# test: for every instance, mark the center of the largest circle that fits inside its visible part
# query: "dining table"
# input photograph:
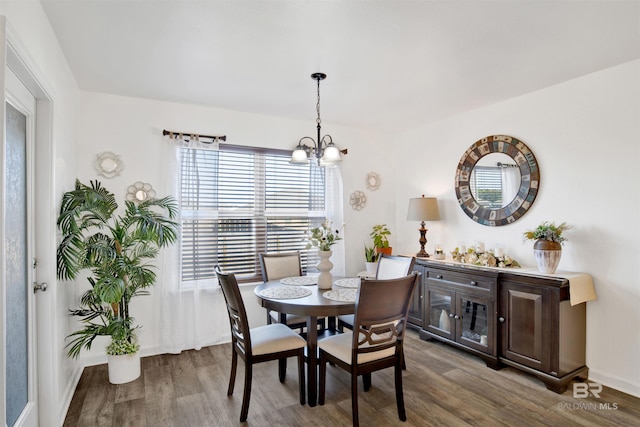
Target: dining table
(301, 296)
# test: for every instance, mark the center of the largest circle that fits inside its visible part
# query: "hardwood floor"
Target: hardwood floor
(443, 386)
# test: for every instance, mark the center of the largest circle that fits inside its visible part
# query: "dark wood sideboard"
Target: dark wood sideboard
(507, 318)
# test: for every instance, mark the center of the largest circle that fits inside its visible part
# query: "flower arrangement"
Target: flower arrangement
(323, 237)
(548, 231)
(484, 259)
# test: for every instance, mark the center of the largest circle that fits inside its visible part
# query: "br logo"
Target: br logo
(582, 390)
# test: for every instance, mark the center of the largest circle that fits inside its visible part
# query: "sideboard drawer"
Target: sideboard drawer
(474, 281)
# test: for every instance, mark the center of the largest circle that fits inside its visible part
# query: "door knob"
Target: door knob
(39, 287)
(501, 319)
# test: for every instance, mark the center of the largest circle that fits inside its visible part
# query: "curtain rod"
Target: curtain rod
(196, 136)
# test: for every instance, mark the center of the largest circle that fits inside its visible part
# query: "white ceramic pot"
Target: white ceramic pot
(124, 368)
(547, 255)
(325, 280)
(372, 267)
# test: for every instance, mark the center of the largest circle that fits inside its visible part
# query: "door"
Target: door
(474, 321)
(19, 249)
(524, 325)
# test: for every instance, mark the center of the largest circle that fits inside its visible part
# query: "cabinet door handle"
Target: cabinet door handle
(501, 319)
(451, 315)
(439, 276)
(474, 283)
(457, 317)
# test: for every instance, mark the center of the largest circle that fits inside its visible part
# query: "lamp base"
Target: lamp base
(423, 241)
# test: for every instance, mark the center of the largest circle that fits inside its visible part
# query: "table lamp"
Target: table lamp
(423, 209)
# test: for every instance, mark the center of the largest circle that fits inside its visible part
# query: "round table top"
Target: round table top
(314, 304)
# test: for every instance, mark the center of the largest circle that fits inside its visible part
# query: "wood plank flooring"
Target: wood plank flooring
(443, 386)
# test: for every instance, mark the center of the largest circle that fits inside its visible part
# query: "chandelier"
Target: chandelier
(323, 150)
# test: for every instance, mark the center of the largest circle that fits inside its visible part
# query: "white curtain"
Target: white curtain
(510, 184)
(335, 214)
(194, 316)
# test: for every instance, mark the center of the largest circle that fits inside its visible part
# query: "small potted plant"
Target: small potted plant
(548, 245)
(371, 260)
(379, 234)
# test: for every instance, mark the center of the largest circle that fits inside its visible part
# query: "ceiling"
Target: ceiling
(391, 64)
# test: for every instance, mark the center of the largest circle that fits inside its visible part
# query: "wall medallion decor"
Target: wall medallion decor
(108, 164)
(495, 205)
(140, 191)
(373, 181)
(358, 200)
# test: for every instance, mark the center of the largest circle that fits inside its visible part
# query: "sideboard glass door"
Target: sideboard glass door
(473, 327)
(440, 312)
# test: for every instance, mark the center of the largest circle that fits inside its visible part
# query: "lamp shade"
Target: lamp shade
(423, 209)
(299, 156)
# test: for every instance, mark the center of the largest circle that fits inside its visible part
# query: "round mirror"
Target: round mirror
(141, 195)
(108, 164)
(497, 180)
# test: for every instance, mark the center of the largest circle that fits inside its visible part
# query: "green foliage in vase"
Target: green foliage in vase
(548, 231)
(117, 251)
(370, 254)
(379, 234)
(122, 347)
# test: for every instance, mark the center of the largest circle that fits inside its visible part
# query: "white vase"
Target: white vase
(325, 280)
(445, 323)
(372, 267)
(547, 255)
(124, 368)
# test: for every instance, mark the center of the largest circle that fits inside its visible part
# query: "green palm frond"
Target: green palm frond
(116, 249)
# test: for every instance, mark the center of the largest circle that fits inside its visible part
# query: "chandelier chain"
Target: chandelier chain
(318, 121)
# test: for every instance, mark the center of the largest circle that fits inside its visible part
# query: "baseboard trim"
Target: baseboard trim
(614, 382)
(69, 391)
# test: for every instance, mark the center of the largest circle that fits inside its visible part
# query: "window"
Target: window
(486, 186)
(239, 201)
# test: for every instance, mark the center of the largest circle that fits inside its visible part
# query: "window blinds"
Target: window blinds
(238, 203)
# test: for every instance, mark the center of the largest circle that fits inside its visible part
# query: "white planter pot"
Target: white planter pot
(372, 268)
(124, 368)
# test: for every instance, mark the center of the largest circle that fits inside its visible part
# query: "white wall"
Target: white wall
(132, 128)
(37, 45)
(585, 135)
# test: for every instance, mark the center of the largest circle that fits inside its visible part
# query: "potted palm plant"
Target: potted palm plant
(117, 251)
(380, 235)
(548, 245)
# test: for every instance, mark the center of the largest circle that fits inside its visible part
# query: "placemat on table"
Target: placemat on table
(299, 280)
(348, 282)
(285, 292)
(343, 295)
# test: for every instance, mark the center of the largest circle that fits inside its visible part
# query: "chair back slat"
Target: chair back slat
(236, 310)
(381, 314)
(276, 265)
(393, 267)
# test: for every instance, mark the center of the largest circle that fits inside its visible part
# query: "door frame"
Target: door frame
(15, 56)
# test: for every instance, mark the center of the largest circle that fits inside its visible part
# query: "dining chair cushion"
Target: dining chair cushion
(274, 338)
(341, 345)
(292, 319)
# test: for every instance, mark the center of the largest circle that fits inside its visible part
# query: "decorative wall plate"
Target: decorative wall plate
(358, 200)
(140, 191)
(108, 164)
(373, 181)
